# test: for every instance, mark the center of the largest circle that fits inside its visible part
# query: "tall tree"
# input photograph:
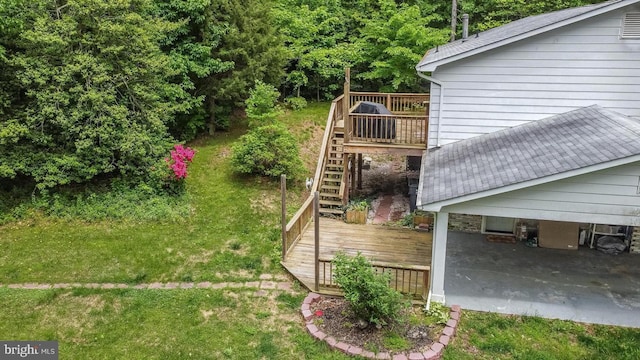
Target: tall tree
(394, 41)
(254, 46)
(191, 47)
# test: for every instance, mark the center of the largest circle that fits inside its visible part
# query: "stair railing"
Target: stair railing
(302, 218)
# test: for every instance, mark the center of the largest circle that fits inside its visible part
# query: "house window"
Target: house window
(631, 26)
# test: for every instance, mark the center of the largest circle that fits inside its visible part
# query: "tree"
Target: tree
(191, 48)
(95, 92)
(252, 43)
(395, 42)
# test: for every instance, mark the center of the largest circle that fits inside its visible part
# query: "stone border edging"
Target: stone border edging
(434, 353)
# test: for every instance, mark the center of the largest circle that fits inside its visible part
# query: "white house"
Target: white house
(537, 119)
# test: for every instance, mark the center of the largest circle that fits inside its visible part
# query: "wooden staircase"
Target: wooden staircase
(332, 177)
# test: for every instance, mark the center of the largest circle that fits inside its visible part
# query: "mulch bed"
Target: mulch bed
(333, 317)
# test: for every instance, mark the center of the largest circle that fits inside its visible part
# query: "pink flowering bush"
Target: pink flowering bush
(180, 156)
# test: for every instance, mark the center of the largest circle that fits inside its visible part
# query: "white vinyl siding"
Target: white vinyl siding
(578, 65)
(607, 196)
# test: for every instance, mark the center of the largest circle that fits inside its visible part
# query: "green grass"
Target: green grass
(161, 324)
(495, 336)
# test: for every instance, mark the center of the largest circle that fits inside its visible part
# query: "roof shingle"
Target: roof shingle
(580, 138)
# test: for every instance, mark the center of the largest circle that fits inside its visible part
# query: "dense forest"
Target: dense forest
(96, 89)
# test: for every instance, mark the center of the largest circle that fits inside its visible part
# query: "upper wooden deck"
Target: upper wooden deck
(405, 131)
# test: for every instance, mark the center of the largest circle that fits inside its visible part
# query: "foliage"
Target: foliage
(268, 150)
(253, 44)
(395, 41)
(358, 205)
(487, 14)
(96, 93)
(395, 342)
(438, 312)
(191, 49)
(367, 292)
(296, 102)
(261, 106)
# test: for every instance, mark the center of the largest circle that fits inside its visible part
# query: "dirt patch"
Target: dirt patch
(405, 336)
(266, 201)
(386, 175)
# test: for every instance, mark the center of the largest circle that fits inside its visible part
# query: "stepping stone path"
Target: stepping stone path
(266, 283)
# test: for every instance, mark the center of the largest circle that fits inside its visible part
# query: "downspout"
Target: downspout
(440, 102)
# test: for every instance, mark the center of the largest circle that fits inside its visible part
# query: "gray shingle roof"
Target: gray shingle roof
(510, 30)
(570, 141)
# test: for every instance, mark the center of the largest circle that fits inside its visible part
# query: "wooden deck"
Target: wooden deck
(407, 251)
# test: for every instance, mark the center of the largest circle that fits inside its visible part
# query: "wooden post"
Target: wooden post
(316, 234)
(346, 104)
(345, 178)
(353, 174)
(283, 191)
(359, 171)
(389, 102)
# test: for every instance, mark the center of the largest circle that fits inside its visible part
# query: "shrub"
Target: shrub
(268, 150)
(296, 102)
(261, 105)
(438, 312)
(367, 292)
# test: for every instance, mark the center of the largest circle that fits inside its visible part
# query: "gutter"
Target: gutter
(441, 101)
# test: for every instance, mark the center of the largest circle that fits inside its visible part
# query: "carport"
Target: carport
(582, 166)
(584, 285)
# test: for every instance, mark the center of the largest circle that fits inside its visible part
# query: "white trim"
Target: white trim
(483, 226)
(436, 298)
(437, 206)
(614, 6)
(422, 175)
(440, 106)
(439, 256)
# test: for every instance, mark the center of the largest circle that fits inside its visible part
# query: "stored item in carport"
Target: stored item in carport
(611, 245)
(558, 235)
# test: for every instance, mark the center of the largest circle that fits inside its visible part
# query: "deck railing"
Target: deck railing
(397, 103)
(390, 129)
(407, 126)
(412, 280)
(299, 222)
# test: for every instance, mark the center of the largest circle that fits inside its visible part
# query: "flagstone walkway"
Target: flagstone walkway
(265, 282)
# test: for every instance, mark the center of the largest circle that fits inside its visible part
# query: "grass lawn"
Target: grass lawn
(231, 234)
(161, 324)
(495, 336)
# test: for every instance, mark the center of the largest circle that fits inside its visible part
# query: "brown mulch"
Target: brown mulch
(338, 322)
(501, 239)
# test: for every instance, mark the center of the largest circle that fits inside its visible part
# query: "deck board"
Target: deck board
(377, 242)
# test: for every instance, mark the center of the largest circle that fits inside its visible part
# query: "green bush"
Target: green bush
(268, 150)
(296, 102)
(367, 292)
(261, 105)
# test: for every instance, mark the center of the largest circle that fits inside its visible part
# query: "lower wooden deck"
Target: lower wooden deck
(382, 244)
